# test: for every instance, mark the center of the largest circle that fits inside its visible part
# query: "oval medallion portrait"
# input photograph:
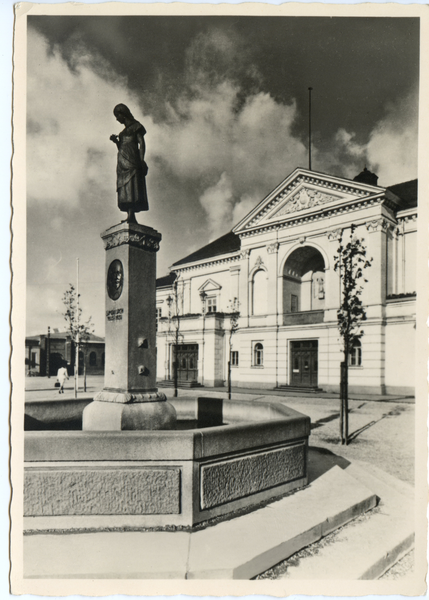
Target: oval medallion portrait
(115, 279)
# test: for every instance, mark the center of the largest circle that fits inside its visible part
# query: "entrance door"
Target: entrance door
(304, 363)
(187, 362)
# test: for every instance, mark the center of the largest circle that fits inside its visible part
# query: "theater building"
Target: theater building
(277, 267)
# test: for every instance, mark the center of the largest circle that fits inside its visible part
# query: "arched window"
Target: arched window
(259, 293)
(258, 355)
(92, 359)
(355, 356)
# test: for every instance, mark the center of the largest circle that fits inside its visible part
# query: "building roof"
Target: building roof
(62, 335)
(230, 242)
(407, 192)
(167, 280)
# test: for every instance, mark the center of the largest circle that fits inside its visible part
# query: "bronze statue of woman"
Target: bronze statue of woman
(131, 168)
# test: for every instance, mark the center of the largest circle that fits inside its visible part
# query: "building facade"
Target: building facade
(276, 267)
(45, 354)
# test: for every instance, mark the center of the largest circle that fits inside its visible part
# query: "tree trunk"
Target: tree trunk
(344, 406)
(346, 400)
(229, 377)
(175, 365)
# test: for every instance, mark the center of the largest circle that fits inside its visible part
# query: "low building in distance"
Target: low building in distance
(44, 354)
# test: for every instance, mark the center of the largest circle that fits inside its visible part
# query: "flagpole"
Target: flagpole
(76, 358)
(309, 128)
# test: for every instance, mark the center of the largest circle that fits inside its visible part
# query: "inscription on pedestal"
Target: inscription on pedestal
(115, 314)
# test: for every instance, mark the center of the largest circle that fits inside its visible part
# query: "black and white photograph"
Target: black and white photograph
(219, 299)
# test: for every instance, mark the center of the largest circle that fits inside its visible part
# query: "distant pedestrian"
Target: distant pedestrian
(62, 377)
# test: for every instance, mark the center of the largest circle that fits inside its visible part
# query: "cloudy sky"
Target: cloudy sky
(224, 101)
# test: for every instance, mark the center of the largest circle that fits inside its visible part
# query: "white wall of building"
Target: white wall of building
(270, 267)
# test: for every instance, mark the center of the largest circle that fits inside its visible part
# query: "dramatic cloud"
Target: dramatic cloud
(68, 153)
(217, 144)
(214, 132)
(392, 147)
(391, 150)
(230, 135)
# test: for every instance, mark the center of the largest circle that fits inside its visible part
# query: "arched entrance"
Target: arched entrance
(304, 304)
(304, 281)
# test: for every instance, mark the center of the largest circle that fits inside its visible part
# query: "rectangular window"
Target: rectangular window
(356, 357)
(211, 305)
(158, 316)
(234, 358)
(293, 303)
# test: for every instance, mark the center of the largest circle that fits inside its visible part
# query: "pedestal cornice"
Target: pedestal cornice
(132, 234)
(124, 397)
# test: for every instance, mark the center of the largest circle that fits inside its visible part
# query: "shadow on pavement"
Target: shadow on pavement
(320, 422)
(321, 460)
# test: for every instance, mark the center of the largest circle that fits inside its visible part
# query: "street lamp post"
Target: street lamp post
(170, 301)
(48, 353)
(203, 297)
(233, 328)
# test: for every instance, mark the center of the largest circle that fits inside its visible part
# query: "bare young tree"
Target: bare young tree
(350, 262)
(233, 327)
(174, 317)
(79, 330)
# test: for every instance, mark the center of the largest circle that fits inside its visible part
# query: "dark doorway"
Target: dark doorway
(56, 361)
(304, 363)
(187, 362)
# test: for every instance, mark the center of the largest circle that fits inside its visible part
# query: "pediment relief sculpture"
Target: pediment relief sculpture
(305, 198)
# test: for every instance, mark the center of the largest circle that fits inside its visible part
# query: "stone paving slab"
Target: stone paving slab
(107, 555)
(367, 549)
(236, 549)
(245, 547)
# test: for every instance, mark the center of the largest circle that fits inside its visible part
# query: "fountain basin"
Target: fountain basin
(234, 455)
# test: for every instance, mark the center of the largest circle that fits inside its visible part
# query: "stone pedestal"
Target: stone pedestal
(130, 399)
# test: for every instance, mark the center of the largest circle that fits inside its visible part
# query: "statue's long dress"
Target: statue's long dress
(131, 178)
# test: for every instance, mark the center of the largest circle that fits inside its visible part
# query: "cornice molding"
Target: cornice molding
(206, 264)
(142, 240)
(328, 212)
(407, 218)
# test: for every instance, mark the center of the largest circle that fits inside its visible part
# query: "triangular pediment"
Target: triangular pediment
(305, 192)
(209, 286)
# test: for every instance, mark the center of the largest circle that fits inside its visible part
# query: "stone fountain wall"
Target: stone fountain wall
(158, 478)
